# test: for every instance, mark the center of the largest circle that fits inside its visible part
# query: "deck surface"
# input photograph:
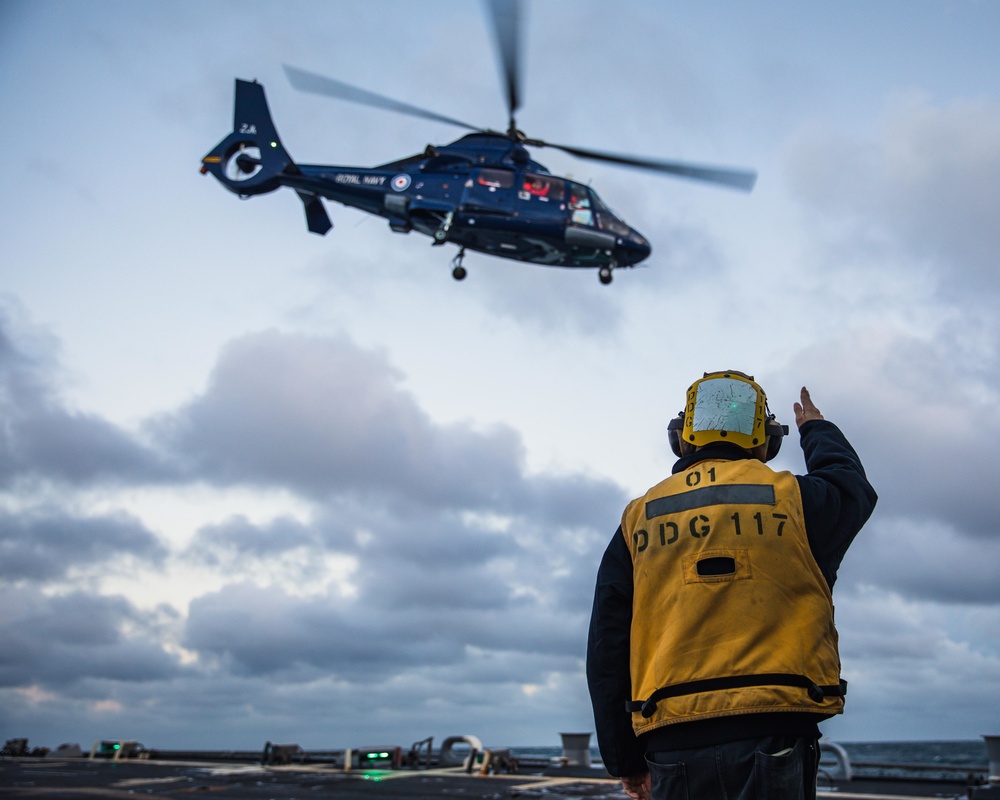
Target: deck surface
(70, 779)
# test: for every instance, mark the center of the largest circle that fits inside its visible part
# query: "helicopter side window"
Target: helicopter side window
(579, 205)
(494, 179)
(542, 187)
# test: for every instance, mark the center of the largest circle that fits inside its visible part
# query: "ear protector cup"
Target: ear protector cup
(674, 428)
(775, 433)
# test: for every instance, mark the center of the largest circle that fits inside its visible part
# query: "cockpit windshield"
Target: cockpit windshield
(586, 208)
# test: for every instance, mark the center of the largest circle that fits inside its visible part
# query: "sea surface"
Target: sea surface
(932, 760)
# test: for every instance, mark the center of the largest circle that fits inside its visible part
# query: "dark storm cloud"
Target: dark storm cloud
(937, 562)
(254, 630)
(41, 439)
(257, 630)
(46, 544)
(430, 577)
(62, 640)
(884, 635)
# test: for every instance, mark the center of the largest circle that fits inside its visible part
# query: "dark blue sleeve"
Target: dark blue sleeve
(608, 675)
(837, 498)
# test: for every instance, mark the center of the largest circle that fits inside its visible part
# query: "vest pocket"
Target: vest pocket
(716, 566)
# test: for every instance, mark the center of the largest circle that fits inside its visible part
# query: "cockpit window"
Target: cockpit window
(606, 218)
(579, 204)
(596, 201)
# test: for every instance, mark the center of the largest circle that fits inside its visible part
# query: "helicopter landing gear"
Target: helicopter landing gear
(604, 274)
(441, 234)
(458, 272)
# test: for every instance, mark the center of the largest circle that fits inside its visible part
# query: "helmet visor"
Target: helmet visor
(725, 404)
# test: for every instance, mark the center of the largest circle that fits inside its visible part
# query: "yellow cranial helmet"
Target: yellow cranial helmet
(726, 407)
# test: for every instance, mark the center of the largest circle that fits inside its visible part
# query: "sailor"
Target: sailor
(712, 652)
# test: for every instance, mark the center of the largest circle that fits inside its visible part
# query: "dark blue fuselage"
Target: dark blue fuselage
(482, 192)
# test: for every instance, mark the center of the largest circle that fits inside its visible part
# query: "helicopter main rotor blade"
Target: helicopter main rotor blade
(506, 17)
(734, 178)
(328, 87)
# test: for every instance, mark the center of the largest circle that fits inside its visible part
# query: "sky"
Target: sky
(257, 484)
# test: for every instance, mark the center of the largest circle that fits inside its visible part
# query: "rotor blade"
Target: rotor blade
(328, 87)
(735, 178)
(506, 17)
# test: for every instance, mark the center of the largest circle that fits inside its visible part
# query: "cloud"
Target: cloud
(422, 586)
(237, 537)
(943, 650)
(918, 413)
(39, 437)
(941, 564)
(917, 410)
(925, 191)
(61, 641)
(48, 544)
(322, 415)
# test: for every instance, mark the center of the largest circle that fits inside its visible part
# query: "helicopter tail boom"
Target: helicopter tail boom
(252, 160)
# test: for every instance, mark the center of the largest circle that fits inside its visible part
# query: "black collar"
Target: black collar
(716, 451)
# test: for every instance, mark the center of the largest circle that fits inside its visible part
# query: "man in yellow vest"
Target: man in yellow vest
(712, 653)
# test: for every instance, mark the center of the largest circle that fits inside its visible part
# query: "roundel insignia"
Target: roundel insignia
(401, 182)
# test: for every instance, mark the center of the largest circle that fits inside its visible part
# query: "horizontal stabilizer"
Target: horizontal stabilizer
(317, 219)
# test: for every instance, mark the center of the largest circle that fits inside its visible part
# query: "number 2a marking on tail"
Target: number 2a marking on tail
(248, 127)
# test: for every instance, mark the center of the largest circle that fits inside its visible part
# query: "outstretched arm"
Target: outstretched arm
(837, 498)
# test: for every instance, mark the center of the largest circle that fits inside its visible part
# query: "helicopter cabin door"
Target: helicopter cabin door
(489, 191)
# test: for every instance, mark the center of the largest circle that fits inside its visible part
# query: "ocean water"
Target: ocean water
(952, 758)
(931, 760)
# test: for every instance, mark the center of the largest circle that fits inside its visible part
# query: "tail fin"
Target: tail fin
(251, 159)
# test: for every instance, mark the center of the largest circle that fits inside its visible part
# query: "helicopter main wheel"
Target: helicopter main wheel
(458, 272)
(604, 274)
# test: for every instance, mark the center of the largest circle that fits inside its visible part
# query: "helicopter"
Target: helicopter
(482, 192)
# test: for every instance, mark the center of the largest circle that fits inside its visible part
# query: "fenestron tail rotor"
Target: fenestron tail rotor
(243, 163)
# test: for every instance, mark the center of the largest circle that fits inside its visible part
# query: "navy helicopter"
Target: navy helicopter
(482, 192)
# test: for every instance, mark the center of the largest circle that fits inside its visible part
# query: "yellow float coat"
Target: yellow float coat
(726, 587)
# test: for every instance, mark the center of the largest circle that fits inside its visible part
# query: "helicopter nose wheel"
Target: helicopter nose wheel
(604, 274)
(458, 272)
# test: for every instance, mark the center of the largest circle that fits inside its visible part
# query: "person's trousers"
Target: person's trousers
(770, 768)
